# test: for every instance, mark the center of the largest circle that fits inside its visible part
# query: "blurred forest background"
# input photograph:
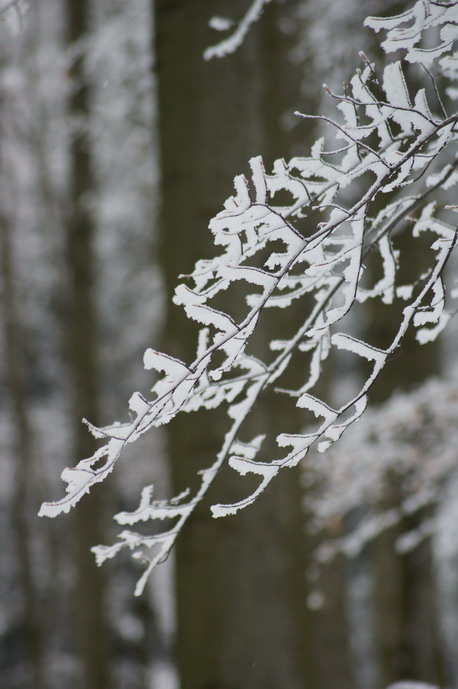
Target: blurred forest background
(118, 143)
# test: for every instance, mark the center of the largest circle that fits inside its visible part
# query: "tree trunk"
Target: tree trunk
(16, 379)
(240, 592)
(82, 358)
(405, 594)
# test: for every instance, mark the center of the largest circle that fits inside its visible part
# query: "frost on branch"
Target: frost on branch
(343, 202)
(235, 39)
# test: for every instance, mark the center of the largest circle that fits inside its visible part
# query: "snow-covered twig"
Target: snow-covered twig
(351, 201)
(230, 44)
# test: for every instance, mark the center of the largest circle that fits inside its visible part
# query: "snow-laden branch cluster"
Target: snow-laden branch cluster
(409, 442)
(407, 32)
(394, 153)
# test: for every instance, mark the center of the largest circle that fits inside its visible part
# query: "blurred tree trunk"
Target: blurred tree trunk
(405, 592)
(327, 600)
(240, 581)
(16, 380)
(82, 358)
(241, 588)
(406, 610)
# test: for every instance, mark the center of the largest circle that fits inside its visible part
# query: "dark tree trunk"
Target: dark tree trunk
(16, 380)
(240, 581)
(405, 593)
(82, 358)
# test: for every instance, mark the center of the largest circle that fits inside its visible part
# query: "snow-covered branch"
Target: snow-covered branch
(343, 204)
(230, 44)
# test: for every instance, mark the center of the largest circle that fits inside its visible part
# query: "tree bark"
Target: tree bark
(240, 593)
(405, 594)
(82, 359)
(16, 380)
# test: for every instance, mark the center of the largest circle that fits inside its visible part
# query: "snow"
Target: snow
(319, 268)
(230, 44)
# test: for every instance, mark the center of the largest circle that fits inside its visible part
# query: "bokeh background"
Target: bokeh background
(118, 143)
